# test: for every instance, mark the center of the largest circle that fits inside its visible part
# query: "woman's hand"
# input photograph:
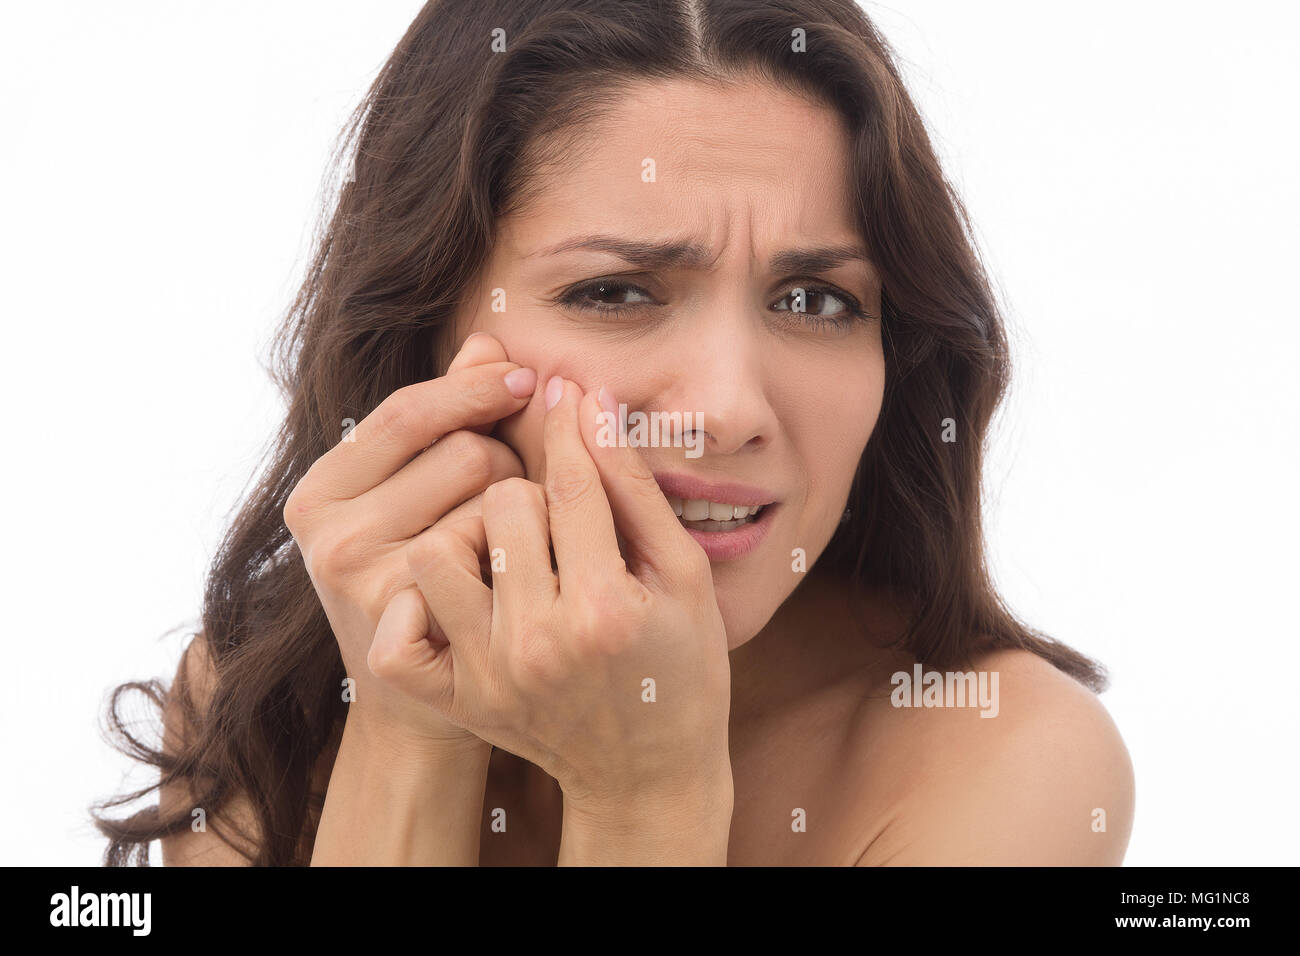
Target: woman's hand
(610, 674)
(359, 506)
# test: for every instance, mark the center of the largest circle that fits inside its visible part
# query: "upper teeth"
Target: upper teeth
(694, 509)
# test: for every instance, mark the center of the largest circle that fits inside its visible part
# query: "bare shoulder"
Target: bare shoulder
(1033, 772)
(202, 846)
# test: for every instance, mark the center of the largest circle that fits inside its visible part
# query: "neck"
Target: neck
(824, 633)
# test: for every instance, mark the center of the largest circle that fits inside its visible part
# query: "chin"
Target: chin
(744, 615)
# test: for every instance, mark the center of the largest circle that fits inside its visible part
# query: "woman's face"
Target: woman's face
(693, 204)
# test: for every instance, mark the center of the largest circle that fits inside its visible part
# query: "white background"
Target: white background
(1130, 169)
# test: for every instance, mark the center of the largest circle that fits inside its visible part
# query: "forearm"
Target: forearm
(679, 829)
(389, 805)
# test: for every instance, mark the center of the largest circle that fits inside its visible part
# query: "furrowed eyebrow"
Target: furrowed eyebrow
(689, 255)
(820, 259)
(647, 255)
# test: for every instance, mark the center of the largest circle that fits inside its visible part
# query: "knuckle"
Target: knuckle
(611, 642)
(531, 667)
(398, 414)
(590, 621)
(381, 662)
(471, 453)
(642, 483)
(510, 493)
(381, 594)
(299, 503)
(606, 620)
(293, 507)
(428, 551)
(567, 484)
(386, 663)
(332, 556)
(480, 395)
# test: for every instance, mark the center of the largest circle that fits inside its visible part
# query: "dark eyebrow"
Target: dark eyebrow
(690, 255)
(647, 255)
(820, 259)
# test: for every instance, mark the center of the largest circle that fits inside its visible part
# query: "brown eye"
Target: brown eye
(593, 297)
(814, 303)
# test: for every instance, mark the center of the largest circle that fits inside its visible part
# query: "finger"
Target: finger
(656, 546)
(582, 528)
(455, 469)
(519, 542)
(412, 418)
(402, 656)
(479, 348)
(446, 562)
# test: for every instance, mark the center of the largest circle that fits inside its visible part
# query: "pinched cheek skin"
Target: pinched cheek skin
(522, 432)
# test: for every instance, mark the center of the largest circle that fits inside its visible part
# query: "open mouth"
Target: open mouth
(711, 516)
(728, 519)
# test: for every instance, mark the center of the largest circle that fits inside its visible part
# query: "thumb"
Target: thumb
(479, 348)
(407, 656)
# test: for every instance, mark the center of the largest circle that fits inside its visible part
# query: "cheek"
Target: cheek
(526, 344)
(523, 432)
(534, 343)
(836, 434)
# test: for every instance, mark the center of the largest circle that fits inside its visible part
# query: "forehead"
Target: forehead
(677, 156)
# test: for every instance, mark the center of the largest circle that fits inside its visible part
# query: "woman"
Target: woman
(465, 618)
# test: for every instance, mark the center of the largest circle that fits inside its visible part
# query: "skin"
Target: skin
(720, 340)
(761, 717)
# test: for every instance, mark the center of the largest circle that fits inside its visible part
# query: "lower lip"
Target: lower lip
(726, 545)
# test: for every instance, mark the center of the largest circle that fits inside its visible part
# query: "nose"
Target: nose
(718, 373)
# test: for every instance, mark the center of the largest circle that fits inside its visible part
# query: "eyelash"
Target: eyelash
(575, 297)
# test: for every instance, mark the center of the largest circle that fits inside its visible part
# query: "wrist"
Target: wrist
(400, 799)
(388, 740)
(687, 825)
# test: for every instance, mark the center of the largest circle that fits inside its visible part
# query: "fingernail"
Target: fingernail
(554, 389)
(606, 400)
(521, 382)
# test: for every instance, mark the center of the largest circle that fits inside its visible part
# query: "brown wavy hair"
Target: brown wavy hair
(442, 145)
